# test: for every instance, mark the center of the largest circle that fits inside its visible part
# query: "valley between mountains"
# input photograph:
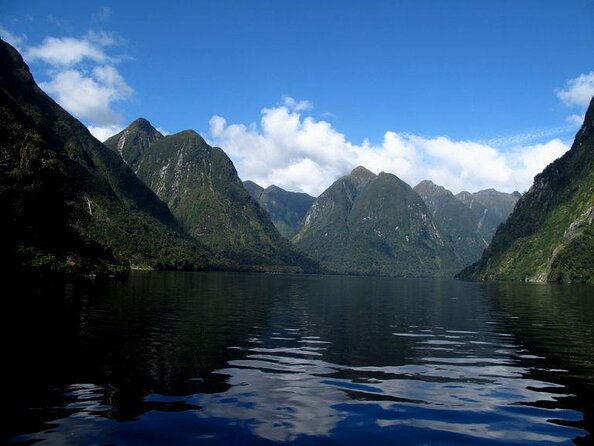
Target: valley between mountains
(74, 205)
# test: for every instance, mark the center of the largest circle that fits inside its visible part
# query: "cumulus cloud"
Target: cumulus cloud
(301, 105)
(82, 77)
(89, 96)
(66, 51)
(104, 133)
(298, 152)
(578, 91)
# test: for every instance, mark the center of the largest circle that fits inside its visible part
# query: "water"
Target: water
(215, 358)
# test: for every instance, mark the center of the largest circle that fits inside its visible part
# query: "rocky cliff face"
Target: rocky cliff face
(549, 236)
(375, 224)
(133, 141)
(456, 219)
(490, 208)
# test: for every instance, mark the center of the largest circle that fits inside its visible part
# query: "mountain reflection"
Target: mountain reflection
(251, 358)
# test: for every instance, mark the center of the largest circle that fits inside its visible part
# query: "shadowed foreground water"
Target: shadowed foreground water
(215, 358)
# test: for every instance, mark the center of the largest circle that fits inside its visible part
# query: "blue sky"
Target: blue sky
(490, 73)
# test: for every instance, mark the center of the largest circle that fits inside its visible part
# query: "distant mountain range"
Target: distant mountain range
(375, 224)
(490, 207)
(286, 209)
(470, 220)
(549, 237)
(73, 205)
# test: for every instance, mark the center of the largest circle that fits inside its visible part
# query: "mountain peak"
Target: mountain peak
(190, 134)
(131, 142)
(200, 185)
(368, 224)
(360, 176)
(361, 171)
(142, 124)
(274, 188)
(252, 183)
(254, 189)
(428, 188)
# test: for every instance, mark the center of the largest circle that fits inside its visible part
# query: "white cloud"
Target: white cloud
(15, 40)
(534, 135)
(298, 106)
(66, 51)
(103, 38)
(83, 78)
(300, 153)
(578, 91)
(103, 133)
(89, 96)
(575, 120)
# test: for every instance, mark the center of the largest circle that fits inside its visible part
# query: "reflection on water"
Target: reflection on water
(186, 358)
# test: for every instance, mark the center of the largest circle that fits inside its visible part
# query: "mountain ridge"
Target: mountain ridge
(375, 225)
(549, 237)
(455, 219)
(200, 185)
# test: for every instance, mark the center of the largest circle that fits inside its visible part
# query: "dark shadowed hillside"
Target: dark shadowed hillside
(68, 203)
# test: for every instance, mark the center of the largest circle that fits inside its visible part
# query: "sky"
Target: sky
(471, 94)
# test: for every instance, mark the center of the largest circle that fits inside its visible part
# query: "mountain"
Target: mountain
(549, 237)
(490, 207)
(375, 224)
(455, 218)
(68, 203)
(286, 209)
(500, 203)
(487, 221)
(255, 190)
(134, 140)
(201, 187)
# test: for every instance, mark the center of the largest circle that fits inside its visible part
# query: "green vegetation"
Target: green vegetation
(201, 187)
(69, 205)
(549, 235)
(35, 232)
(375, 225)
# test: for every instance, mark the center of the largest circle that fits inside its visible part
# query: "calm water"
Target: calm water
(225, 359)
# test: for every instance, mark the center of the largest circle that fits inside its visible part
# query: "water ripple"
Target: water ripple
(257, 359)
